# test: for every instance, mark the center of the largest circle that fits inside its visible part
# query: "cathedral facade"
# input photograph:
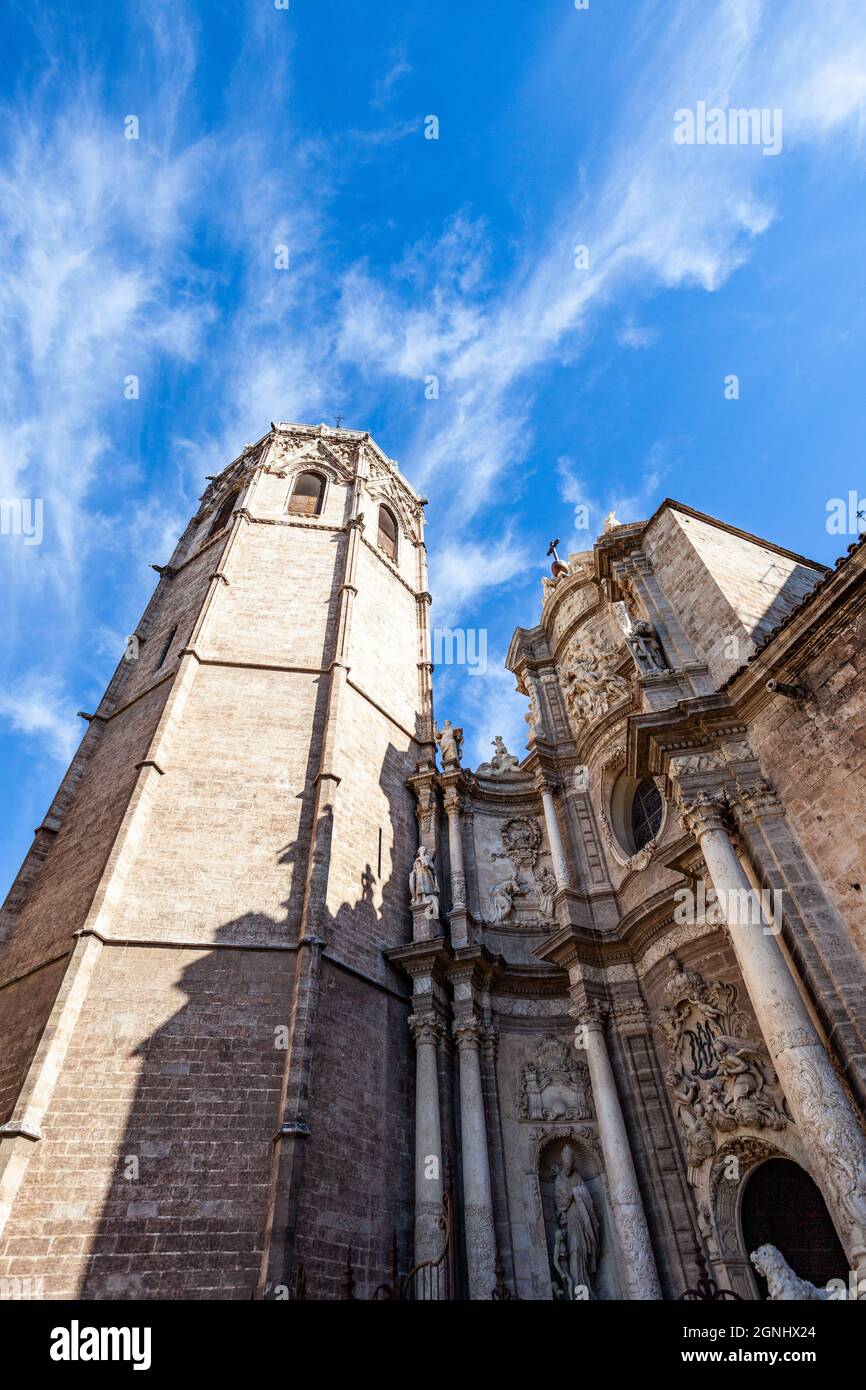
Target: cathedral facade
(295, 1004)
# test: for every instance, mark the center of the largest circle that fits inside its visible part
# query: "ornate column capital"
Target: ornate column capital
(467, 1032)
(701, 812)
(590, 1017)
(425, 1028)
(755, 799)
(451, 800)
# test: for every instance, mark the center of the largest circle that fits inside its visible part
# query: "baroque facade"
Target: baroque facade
(296, 1004)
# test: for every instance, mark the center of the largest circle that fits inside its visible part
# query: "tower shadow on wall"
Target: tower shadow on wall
(185, 1206)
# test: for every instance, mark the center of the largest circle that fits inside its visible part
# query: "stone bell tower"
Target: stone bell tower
(203, 1089)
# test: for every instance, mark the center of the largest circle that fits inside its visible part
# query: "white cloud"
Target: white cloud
(38, 707)
(634, 335)
(465, 571)
(660, 216)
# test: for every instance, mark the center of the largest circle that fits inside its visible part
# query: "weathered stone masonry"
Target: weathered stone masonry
(245, 1054)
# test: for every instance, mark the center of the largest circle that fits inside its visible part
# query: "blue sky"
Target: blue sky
(409, 257)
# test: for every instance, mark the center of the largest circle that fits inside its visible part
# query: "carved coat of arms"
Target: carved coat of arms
(554, 1085)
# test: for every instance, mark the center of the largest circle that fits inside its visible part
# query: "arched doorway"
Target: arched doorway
(783, 1207)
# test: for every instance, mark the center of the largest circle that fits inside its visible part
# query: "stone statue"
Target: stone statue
(546, 889)
(502, 760)
(783, 1284)
(610, 522)
(423, 886)
(744, 1083)
(576, 1216)
(502, 897)
(691, 1112)
(450, 742)
(565, 1287)
(642, 641)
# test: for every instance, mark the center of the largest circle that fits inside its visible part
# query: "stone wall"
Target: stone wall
(723, 586)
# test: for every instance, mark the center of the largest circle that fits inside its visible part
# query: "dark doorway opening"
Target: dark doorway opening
(783, 1207)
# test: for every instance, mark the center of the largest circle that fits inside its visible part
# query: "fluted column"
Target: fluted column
(627, 1211)
(477, 1191)
(825, 1119)
(426, 1031)
(554, 838)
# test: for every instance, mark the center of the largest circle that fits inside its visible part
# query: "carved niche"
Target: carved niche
(554, 1085)
(721, 1079)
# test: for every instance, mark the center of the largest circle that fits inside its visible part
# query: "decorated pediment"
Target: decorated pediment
(320, 454)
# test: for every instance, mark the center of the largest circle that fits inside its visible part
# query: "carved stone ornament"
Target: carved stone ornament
(685, 764)
(521, 839)
(720, 1078)
(502, 760)
(642, 641)
(636, 862)
(554, 1086)
(536, 887)
(590, 684)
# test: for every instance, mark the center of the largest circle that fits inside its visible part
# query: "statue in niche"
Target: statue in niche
(423, 886)
(546, 884)
(577, 1220)
(450, 743)
(642, 641)
(502, 760)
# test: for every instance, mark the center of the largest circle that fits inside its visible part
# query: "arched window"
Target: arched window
(387, 536)
(307, 495)
(223, 516)
(646, 813)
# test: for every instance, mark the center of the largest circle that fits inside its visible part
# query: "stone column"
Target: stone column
(429, 1185)
(477, 1192)
(629, 1219)
(825, 1119)
(455, 848)
(557, 849)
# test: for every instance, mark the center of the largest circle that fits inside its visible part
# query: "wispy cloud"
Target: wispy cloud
(385, 86)
(659, 217)
(39, 707)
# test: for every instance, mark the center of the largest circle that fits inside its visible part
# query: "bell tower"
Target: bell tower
(203, 1033)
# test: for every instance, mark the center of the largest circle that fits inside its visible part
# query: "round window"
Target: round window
(636, 814)
(646, 813)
